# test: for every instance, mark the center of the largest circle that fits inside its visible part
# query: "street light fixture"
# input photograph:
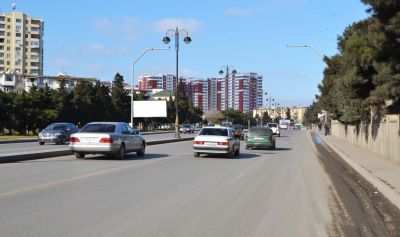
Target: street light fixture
(133, 75)
(177, 32)
(307, 46)
(221, 72)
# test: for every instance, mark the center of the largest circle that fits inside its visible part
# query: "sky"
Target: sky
(94, 38)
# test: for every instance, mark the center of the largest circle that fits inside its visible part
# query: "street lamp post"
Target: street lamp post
(133, 75)
(177, 32)
(307, 46)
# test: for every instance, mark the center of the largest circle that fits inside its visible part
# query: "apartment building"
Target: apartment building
(21, 44)
(242, 91)
(161, 81)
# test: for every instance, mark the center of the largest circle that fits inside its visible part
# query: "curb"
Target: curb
(48, 154)
(385, 189)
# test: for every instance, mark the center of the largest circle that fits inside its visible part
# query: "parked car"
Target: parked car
(216, 140)
(260, 137)
(110, 138)
(186, 128)
(58, 133)
(275, 128)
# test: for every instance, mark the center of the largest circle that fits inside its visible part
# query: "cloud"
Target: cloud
(63, 63)
(98, 48)
(236, 11)
(125, 29)
(170, 23)
(105, 26)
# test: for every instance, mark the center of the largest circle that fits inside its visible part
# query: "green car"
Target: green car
(260, 137)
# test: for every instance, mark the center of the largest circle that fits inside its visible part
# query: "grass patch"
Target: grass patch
(7, 137)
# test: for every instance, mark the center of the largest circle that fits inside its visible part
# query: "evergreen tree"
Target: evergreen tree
(120, 99)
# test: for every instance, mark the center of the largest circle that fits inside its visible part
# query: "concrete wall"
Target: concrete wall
(380, 137)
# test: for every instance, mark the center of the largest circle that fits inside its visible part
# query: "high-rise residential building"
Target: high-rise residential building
(21, 44)
(241, 91)
(161, 81)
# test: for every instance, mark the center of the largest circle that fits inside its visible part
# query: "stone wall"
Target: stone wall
(381, 137)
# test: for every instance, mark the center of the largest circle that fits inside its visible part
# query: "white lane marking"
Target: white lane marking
(42, 186)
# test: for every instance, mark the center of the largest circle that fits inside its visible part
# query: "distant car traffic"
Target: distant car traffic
(275, 128)
(186, 128)
(58, 133)
(260, 137)
(216, 140)
(110, 138)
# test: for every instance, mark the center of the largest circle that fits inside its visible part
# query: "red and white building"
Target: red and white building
(240, 91)
(162, 81)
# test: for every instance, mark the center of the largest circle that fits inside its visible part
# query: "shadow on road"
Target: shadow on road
(241, 156)
(283, 149)
(128, 157)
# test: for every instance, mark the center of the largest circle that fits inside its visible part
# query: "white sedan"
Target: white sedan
(216, 140)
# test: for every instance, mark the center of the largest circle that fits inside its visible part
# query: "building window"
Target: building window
(18, 34)
(18, 28)
(8, 34)
(8, 20)
(18, 20)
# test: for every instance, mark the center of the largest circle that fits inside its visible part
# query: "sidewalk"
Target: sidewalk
(383, 174)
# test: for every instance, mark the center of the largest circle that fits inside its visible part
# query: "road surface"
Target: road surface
(284, 192)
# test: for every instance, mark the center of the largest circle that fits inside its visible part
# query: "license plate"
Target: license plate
(258, 138)
(210, 144)
(89, 140)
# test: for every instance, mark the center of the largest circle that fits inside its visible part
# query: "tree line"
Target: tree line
(29, 112)
(365, 74)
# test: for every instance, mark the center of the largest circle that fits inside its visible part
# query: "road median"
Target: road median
(64, 152)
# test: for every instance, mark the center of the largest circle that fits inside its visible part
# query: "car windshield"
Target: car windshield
(56, 127)
(214, 132)
(272, 125)
(258, 131)
(99, 128)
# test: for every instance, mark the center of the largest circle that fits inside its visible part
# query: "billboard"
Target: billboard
(150, 109)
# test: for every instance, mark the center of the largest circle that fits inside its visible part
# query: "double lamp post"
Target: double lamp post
(184, 33)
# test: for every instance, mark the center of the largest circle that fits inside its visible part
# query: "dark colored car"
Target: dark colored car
(58, 133)
(186, 128)
(260, 137)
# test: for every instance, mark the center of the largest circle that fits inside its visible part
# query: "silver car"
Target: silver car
(110, 138)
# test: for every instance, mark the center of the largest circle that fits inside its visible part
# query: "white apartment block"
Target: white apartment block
(21, 44)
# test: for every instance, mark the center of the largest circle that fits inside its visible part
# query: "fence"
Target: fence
(381, 137)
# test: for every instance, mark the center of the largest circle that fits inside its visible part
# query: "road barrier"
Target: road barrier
(65, 152)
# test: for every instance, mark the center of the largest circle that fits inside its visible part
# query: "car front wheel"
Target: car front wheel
(142, 150)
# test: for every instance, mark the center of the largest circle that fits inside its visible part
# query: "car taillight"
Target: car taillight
(223, 143)
(106, 140)
(74, 139)
(198, 142)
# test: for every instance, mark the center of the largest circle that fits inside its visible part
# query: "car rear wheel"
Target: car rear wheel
(231, 153)
(121, 153)
(79, 155)
(41, 143)
(62, 141)
(237, 152)
(196, 154)
(142, 150)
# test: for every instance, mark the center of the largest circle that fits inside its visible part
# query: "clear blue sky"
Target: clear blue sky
(100, 38)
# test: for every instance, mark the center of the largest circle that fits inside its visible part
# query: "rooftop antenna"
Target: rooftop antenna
(14, 6)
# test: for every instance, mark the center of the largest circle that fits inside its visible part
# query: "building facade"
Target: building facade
(241, 92)
(54, 82)
(161, 81)
(21, 44)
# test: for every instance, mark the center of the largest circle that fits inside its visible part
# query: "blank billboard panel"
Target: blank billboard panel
(150, 109)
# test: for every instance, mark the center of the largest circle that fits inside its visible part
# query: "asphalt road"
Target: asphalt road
(18, 148)
(284, 192)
